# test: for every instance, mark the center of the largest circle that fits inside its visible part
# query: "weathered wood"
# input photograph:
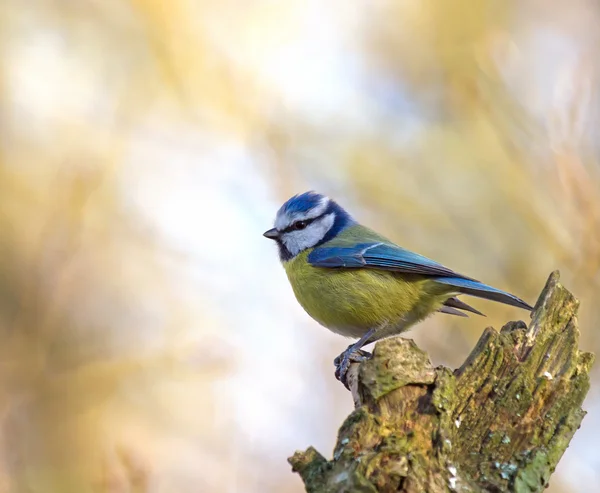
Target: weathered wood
(501, 422)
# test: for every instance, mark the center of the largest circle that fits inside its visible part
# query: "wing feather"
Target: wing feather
(383, 256)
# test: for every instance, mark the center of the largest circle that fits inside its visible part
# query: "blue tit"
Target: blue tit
(358, 283)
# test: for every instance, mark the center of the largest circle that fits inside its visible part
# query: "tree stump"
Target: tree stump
(499, 423)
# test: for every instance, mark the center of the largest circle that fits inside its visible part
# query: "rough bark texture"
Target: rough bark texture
(500, 422)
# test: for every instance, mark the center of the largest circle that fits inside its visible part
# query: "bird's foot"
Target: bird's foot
(343, 361)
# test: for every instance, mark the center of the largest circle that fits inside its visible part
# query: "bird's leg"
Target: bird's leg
(353, 354)
(355, 357)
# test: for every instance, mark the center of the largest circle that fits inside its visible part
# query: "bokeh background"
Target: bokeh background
(149, 341)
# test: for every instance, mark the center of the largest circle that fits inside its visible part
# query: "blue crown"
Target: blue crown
(302, 202)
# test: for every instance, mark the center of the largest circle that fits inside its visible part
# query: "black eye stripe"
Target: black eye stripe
(291, 227)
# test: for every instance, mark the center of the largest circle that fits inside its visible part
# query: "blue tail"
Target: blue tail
(476, 288)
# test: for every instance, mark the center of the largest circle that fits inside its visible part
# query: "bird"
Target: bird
(359, 284)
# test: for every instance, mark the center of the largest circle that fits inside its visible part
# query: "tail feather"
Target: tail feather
(461, 305)
(452, 311)
(476, 288)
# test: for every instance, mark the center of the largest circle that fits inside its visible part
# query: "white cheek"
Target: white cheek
(297, 241)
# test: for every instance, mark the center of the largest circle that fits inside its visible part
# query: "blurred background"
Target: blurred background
(149, 339)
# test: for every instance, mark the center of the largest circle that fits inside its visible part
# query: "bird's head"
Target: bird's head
(305, 221)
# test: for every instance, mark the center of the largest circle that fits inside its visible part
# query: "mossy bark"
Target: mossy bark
(500, 422)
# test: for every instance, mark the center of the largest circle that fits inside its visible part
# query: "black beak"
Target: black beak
(272, 234)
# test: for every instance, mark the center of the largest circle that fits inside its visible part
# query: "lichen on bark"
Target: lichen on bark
(500, 422)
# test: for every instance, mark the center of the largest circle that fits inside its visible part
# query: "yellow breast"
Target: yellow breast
(351, 301)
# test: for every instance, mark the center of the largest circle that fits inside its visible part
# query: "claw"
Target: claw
(343, 361)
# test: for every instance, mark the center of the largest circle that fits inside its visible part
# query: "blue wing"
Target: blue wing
(386, 256)
(383, 256)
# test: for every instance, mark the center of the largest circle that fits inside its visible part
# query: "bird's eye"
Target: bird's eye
(300, 225)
